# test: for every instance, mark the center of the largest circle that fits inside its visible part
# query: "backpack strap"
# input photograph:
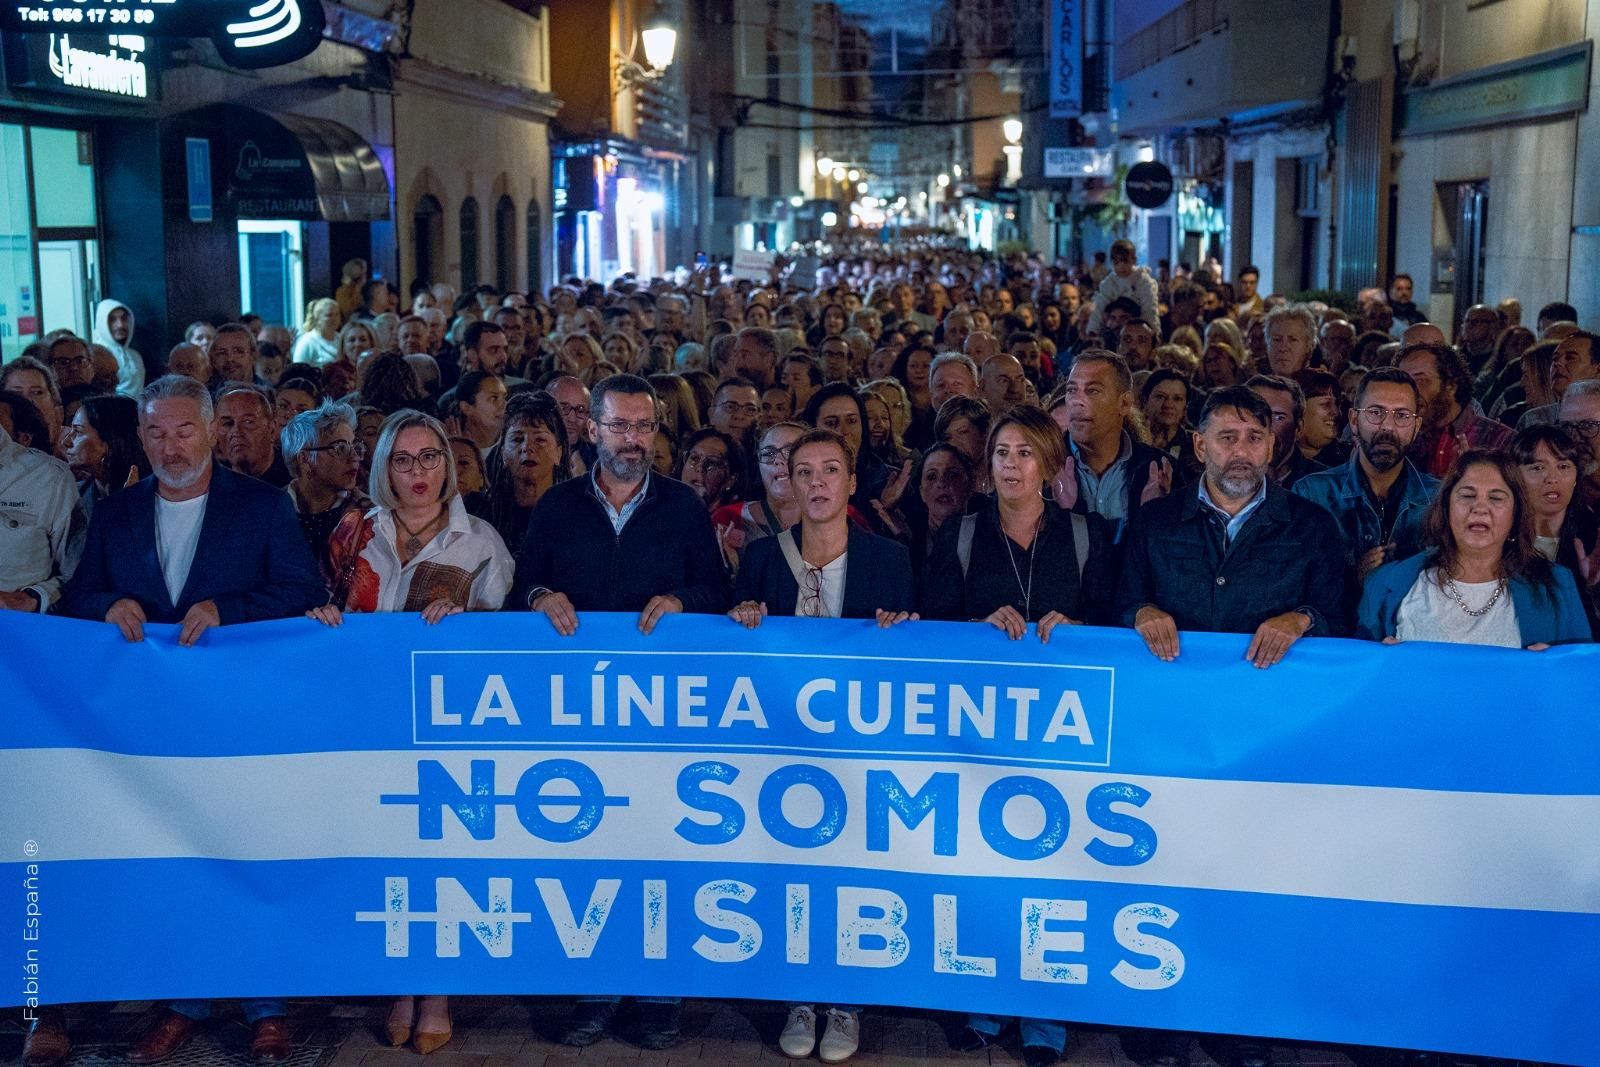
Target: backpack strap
(791, 555)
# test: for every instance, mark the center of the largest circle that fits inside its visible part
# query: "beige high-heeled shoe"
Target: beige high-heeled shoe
(401, 1015)
(426, 1041)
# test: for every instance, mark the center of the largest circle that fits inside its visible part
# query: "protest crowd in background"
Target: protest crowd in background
(924, 433)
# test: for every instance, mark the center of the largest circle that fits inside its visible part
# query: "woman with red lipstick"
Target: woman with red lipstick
(416, 550)
(1483, 582)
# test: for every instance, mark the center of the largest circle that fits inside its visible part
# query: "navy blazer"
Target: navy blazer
(252, 560)
(877, 574)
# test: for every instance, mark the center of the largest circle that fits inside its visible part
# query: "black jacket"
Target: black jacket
(1288, 556)
(667, 548)
(251, 560)
(877, 575)
(990, 582)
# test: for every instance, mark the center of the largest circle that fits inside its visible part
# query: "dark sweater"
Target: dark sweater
(667, 548)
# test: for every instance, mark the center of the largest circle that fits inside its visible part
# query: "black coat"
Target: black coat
(667, 548)
(251, 560)
(990, 581)
(1288, 556)
(877, 575)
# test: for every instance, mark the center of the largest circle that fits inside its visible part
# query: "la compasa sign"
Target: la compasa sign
(247, 33)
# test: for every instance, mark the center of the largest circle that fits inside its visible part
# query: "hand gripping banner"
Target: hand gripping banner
(1375, 845)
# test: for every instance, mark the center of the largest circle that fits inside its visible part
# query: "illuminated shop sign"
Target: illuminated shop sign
(248, 33)
(115, 67)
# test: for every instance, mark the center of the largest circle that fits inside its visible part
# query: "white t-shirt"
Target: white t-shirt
(832, 602)
(1429, 614)
(177, 536)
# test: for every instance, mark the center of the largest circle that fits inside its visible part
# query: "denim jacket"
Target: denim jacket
(1342, 491)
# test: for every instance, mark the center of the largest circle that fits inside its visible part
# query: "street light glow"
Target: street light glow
(944, 181)
(660, 44)
(1012, 128)
(824, 166)
(830, 218)
(796, 201)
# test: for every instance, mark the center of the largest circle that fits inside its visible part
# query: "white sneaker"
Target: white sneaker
(841, 1037)
(799, 1035)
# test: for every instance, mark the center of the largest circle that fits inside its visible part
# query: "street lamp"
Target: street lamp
(660, 40)
(796, 201)
(944, 181)
(838, 174)
(853, 174)
(1012, 128)
(824, 166)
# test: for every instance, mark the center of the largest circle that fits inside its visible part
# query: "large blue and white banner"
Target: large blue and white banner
(1388, 846)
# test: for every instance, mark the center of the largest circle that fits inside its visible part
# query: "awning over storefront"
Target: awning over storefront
(278, 166)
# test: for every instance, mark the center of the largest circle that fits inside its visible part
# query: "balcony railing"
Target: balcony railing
(1170, 34)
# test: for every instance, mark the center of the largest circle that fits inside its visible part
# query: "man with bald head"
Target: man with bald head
(572, 399)
(1003, 382)
(981, 347)
(1422, 333)
(189, 361)
(1479, 329)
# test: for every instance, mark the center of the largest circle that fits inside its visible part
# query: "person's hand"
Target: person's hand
(1050, 622)
(1160, 483)
(1391, 640)
(658, 606)
(731, 538)
(895, 488)
(1538, 646)
(128, 617)
(1009, 620)
(439, 609)
(1159, 630)
(196, 621)
(133, 477)
(1274, 637)
(1064, 487)
(327, 615)
(749, 614)
(452, 425)
(21, 600)
(887, 619)
(894, 526)
(559, 610)
(1588, 562)
(1371, 560)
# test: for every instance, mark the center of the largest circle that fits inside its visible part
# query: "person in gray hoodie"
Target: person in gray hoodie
(113, 328)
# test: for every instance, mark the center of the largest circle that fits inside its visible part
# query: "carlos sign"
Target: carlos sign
(247, 33)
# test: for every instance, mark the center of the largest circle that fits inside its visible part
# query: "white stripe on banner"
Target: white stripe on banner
(1484, 850)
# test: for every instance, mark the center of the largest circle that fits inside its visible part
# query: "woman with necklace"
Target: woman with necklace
(1484, 582)
(417, 550)
(1018, 558)
(533, 455)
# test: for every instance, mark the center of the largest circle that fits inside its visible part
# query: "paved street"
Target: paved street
(496, 1032)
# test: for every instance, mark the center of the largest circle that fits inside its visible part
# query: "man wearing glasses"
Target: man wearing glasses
(70, 359)
(1580, 413)
(1378, 497)
(320, 447)
(621, 539)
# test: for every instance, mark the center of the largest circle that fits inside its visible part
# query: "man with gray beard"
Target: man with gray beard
(1234, 552)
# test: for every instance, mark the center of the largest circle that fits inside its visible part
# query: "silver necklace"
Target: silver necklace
(1033, 554)
(1453, 593)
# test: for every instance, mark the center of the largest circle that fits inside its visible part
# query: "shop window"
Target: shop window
(63, 178)
(535, 249)
(19, 322)
(505, 245)
(427, 235)
(469, 243)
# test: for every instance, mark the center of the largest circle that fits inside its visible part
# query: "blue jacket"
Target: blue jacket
(1342, 491)
(1543, 620)
(252, 559)
(877, 575)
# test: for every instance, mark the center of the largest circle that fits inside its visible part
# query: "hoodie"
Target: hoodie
(130, 364)
(1139, 286)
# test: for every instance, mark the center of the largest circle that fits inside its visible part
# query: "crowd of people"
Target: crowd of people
(927, 433)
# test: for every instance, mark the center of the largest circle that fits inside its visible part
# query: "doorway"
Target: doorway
(69, 284)
(271, 277)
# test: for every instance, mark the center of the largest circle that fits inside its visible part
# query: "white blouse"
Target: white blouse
(467, 562)
(1428, 613)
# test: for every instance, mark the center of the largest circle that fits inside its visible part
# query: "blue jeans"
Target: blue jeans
(254, 1010)
(1040, 1033)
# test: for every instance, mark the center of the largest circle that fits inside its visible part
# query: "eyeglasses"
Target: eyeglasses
(69, 361)
(811, 593)
(1583, 427)
(1376, 416)
(622, 427)
(773, 456)
(343, 450)
(428, 459)
(733, 407)
(694, 461)
(573, 411)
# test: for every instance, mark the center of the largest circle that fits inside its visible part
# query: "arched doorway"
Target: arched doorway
(427, 237)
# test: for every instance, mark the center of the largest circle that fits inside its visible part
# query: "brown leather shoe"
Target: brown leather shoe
(271, 1042)
(163, 1039)
(48, 1043)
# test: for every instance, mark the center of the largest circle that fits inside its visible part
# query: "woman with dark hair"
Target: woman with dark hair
(911, 370)
(712, 464)
(1483, 582)
(479, 403)
(102, 447)
(293, 397)
(533, 455)
(389, 384)
(1164, 397)
(1565, 531)
(839, 408)
(1532, 389)
(832, 323)
(1503, 369)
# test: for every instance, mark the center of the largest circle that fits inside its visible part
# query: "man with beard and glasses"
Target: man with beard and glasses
(622, 539)
(1234, 552)
(1449, 425)
(1378, 498)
